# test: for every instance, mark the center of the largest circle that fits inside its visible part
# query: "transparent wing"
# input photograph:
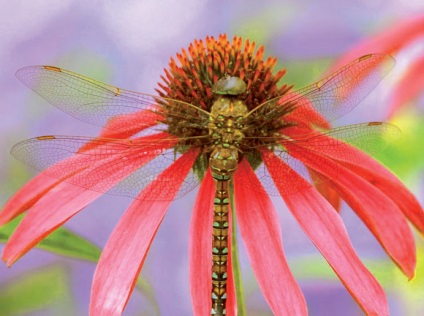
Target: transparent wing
(93, 101)
(340, 92)
(115, 166)
(370, 137)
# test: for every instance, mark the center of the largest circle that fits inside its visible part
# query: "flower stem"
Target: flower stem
(241, 306)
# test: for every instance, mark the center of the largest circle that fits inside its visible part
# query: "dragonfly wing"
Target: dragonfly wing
(340, 92)
(370, 137)
(115, 166)
(90, 100)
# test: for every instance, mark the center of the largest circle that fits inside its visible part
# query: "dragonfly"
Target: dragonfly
(145, 134)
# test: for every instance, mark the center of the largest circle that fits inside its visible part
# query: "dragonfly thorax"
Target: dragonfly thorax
(226, 129)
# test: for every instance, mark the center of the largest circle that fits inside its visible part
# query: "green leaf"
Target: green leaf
(146, 289)
(37, 290)
(62, 241)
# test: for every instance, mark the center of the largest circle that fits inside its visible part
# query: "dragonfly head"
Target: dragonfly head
(229, 85)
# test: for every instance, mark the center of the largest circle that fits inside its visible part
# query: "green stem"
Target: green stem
(241, 306)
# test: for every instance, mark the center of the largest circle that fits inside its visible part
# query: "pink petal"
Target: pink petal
(126, 249)
(261, 234)
(389, 41)
(393, 188)
(126, 125)
(326, 230)
(29, 194)
(304, 116)
(51, 211)
(380, 177)
(381, 215)
(409, 86)
(200, 248)
(65, 200)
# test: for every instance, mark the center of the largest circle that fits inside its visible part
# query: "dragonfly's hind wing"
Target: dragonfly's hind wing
(335, 143)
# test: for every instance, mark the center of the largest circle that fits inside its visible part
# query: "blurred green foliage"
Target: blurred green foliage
(65, 243)
(405, 156)
(37, 290)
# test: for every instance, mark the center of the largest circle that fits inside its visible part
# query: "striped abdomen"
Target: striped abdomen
(220, 247)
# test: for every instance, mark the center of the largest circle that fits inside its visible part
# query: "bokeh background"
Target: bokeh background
(128, 43)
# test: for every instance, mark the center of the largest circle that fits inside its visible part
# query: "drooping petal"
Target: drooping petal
(29, 194)
(64, 200)
(390, 41)
(51, 211)
(200, 248)
(409, 86)
(379, 176)
(378, 212)
(394, 189)
(326, 230)
(126, 249)
(258, 222)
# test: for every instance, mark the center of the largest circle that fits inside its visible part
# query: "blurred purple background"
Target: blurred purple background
(128, 43)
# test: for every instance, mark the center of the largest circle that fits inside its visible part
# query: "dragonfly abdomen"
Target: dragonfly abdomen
(220, 246)
(223, 163)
